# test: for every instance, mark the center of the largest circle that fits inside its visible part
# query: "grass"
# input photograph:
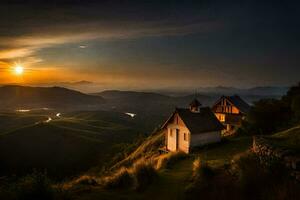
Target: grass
(172, 178)
(138, 177)
(147, 150)
(217, 155)
(169, 159)
(288, 139)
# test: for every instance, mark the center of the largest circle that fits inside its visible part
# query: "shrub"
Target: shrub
(168, 160)
(144, 173)
(123, 178)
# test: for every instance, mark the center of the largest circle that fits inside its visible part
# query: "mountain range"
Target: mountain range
(24, 97)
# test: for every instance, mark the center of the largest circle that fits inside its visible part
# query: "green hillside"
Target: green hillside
(288, 139)
(64, 146)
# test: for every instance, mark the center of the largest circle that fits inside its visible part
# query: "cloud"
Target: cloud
(16, 53)
(29, 44)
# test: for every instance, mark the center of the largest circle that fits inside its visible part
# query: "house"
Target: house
(188, 128)
(231, 110)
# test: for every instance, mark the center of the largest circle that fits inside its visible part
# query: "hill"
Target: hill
(287, 139)
(65, 145)
(23, 97)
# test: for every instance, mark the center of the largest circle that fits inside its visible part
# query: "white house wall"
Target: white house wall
(183, 145)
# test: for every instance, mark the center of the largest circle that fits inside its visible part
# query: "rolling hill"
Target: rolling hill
(23, 97)
(65, 145)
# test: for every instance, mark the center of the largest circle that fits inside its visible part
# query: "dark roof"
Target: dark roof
(239, 103)
(198, 122)
(195, 103)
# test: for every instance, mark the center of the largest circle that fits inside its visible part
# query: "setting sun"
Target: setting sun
(19, 70)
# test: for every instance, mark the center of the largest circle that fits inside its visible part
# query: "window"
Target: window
(171, 133)
(185, 136)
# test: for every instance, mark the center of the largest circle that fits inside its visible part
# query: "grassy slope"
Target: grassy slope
(223, 153)
(288, 139)
(170, 183)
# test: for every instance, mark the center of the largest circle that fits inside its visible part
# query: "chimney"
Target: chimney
(195, 106)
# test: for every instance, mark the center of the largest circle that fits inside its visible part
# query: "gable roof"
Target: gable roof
(200, 122)
(239, 103)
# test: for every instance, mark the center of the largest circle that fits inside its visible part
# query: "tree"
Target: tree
(292, 99)
(268, 116)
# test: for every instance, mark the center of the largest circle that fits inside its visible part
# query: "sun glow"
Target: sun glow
(18, 70)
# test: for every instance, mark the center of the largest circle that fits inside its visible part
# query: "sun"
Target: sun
(18, 70)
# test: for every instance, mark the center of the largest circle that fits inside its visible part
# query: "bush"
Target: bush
(144, 173)
(168, 160)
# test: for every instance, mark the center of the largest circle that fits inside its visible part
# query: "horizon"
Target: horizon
(91, 89)
(149, 45)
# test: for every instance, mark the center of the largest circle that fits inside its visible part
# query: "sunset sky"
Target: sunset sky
(150, 44)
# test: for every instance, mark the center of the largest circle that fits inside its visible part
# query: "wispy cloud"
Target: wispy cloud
(28, 45)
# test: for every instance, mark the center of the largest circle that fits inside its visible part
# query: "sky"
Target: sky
(150, 44)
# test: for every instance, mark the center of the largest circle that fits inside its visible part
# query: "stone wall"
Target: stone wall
(268, 153)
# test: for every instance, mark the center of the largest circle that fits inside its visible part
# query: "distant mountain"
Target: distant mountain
(23, 97)
(147, 102)
(263, 91)
(132, 95)
(152, 103)
(83, 82)
(221, 90)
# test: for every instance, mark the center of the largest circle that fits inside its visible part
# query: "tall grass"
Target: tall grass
(137, 177)
(123, 178)
(144, 173)
(168, 160)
